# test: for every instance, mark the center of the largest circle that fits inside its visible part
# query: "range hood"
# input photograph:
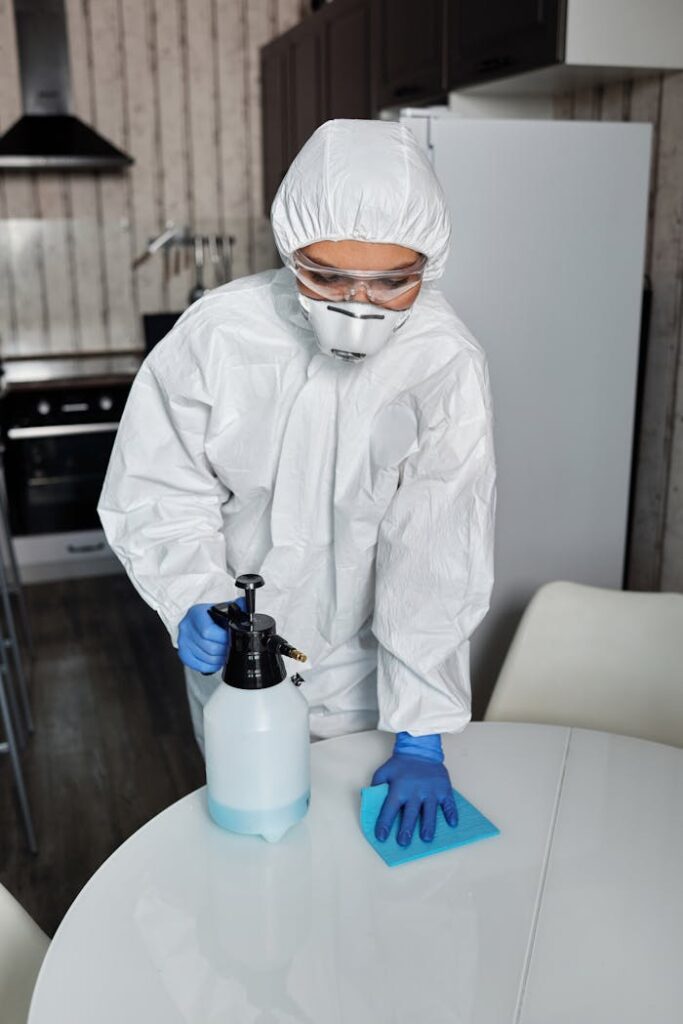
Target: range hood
(48, 136)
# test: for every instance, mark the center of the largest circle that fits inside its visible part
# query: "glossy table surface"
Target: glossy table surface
(574, 913)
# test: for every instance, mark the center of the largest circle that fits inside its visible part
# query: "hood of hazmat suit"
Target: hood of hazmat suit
(364, 207)
(363, 493)
(363, 180)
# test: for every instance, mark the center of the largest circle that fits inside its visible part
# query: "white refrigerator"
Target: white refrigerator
(546, 269)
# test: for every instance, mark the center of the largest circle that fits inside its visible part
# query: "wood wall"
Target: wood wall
(174, 83)
(656, 561)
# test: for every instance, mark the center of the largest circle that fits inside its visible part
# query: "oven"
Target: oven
(58, 439)
(59, 416)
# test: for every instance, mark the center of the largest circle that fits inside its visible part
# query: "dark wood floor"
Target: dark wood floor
(113, 743)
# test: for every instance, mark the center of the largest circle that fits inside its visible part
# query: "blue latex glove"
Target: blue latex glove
(418, 784)
(202, 643)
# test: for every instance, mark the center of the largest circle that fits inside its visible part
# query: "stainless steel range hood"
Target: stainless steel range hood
(48, 136)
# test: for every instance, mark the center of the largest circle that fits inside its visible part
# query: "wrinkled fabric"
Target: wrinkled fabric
(362, 493)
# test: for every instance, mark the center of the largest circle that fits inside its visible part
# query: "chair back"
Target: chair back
(598, 659)
(22, 948)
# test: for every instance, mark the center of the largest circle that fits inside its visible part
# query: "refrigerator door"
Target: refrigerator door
(546, 269)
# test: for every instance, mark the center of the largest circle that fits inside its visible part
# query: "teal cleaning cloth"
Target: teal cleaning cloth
(472, 826)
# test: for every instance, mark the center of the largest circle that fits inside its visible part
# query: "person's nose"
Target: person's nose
(359, 292)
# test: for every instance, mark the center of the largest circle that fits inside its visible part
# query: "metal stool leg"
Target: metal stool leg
(11, 748)
(12, 642)
(15, 586)
(20, 733)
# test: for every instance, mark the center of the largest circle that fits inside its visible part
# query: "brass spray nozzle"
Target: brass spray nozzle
(276, 643)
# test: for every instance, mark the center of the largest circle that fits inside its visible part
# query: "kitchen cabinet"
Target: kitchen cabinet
(491, 38)
(410, 51)
(292, 100)
(348, 59)
(318, 70)
(500, 47)
(305, 100)
(275, 116)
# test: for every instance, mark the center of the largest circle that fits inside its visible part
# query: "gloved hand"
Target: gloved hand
(202, 643)
(418, 784)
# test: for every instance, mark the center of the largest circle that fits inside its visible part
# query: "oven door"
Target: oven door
(55, 474)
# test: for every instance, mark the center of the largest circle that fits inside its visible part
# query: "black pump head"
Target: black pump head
(249, 582)
(255, 650)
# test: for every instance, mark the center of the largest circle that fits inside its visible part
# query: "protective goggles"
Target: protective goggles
(380, 286)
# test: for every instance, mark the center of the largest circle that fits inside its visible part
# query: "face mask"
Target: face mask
(351, 330)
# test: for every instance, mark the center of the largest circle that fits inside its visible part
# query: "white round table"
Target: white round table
(573, 914)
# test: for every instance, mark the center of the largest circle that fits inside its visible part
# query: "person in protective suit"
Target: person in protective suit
(327, 425)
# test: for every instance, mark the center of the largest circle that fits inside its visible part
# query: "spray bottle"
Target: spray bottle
(256, 734)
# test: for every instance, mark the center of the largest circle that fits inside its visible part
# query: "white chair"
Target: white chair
(22, 948)
(597, 659)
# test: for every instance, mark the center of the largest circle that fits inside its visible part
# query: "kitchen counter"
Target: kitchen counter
(82, 368)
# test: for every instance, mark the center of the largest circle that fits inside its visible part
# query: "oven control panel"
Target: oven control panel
(69, 405)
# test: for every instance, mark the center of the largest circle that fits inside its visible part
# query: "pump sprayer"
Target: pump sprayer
(256, 727)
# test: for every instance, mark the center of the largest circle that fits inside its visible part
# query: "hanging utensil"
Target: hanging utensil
(220, 256)
(206, 256)
(165, 238)
(227, 244)
(166, 269)
(198, 289)
(215, 259)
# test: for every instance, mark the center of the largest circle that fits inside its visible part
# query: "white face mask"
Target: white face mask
(351, 330)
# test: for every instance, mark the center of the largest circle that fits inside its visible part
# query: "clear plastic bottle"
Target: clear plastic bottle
(256, 729)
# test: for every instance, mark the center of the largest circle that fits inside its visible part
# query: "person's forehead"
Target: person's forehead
(351, 254)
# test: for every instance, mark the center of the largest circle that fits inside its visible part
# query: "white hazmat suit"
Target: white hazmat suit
(363, 493)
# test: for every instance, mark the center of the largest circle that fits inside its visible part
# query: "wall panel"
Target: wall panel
(657, 527)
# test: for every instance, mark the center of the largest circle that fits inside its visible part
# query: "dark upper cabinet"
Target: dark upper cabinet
(347, 58)
(305, 101)
(320, 69)
(275, 116)
(493, 38)
(352, 58)
(410, 51)
(291, 99)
